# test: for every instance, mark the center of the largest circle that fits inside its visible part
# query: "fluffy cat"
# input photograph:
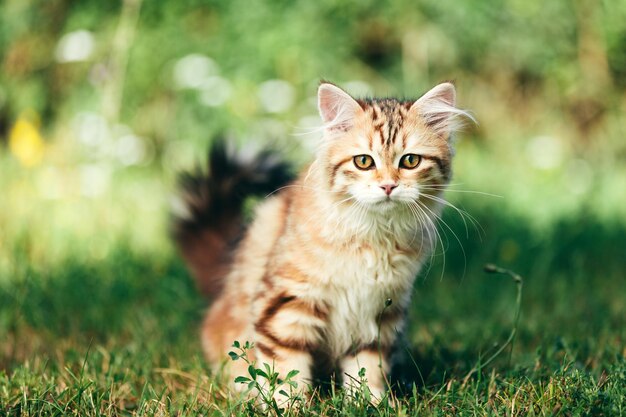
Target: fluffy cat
(322, 278)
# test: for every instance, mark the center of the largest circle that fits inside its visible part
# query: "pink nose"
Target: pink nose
(388, 188)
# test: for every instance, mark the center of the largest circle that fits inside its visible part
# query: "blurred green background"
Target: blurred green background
(103, 102)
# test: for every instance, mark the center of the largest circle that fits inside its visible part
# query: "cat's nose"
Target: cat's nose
(388, 188)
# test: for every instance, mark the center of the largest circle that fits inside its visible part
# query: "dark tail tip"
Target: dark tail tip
(210, 204)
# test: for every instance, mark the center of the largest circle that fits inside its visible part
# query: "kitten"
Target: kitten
(322, 279)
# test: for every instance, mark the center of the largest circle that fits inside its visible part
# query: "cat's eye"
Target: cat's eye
(364, 162)
(410, 161)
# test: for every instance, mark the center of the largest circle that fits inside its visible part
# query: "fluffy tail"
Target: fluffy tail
(208, 224)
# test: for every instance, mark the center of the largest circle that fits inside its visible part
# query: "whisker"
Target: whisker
(453, 233)
(422, 225)
(446, 203)
(463, 213)
(446, 189)
(421, 228)
(444, 248)
(430, 222)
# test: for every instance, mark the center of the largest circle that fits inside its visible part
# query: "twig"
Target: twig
(494, 269)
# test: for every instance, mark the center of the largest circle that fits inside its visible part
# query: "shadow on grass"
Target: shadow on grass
(125, 297)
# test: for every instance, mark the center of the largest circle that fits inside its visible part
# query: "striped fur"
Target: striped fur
(309, 282)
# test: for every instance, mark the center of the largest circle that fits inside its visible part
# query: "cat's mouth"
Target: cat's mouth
(385, 204)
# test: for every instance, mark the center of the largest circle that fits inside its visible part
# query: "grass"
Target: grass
(98, 315)
(119, 336)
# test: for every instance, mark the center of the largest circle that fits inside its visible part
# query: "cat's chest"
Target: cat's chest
(358, 296)
(356, 286)
(377, 268)
(364, 280)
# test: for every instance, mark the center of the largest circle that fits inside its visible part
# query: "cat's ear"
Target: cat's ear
(337, 108)
(438, 109)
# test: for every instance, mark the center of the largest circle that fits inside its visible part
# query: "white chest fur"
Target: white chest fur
(379, 261)
(361, 285)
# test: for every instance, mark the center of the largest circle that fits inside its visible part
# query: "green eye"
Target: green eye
(410, 161)
(364, 162)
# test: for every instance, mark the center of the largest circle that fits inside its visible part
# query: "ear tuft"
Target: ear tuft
(444, 92)
(337, 108)
(437, 108)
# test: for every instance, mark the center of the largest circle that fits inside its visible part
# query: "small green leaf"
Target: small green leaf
(233, 356)
(283, 392)
(242, 380)
(367, 394)
(261, 373)
(236, 344)
(291, 374)
(252, 371)
(274, 405)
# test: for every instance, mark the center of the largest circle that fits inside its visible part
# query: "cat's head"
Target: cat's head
(387, 153)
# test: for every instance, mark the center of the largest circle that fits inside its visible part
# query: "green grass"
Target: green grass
(119, 336)
(98, 315)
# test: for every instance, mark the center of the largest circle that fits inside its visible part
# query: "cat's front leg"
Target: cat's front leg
(283, 360)
(287, 331)
(373, 360)
(375, 356)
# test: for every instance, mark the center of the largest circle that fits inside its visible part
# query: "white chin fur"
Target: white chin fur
(383, 205)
